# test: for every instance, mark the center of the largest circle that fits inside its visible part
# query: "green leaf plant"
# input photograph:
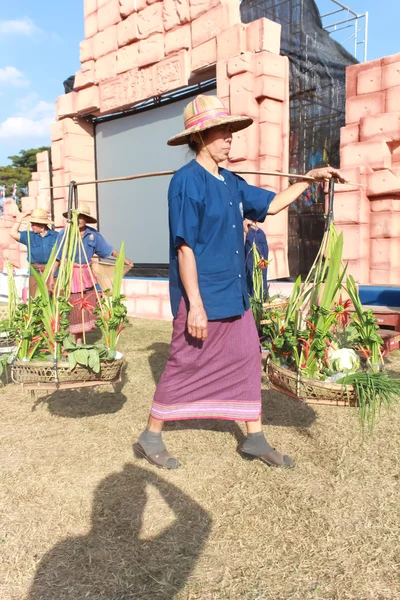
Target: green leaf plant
(318, 322)
(41, 327)
(111, 312)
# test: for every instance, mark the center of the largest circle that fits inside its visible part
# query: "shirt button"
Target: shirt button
(234, 226)
(237, 251)
(230, 203)
(239, 275)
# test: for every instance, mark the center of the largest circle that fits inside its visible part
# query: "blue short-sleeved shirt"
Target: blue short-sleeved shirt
(207, 214)
(40, 246)
(93, 242)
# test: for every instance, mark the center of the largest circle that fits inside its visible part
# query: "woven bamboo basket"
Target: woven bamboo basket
(6, 342)
(104, 272)
(310, 391)
(281, 304)
(3, 312)
(34, 372)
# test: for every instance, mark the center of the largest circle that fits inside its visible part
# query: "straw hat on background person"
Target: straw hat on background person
(203, 113)
(84, 211)
(39, 215)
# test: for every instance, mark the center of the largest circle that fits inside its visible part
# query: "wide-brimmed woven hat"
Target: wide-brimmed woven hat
(203, 113)
(39, 215)
(84, 210)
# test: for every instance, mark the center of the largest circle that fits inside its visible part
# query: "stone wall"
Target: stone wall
(370, 154)
(136, 49)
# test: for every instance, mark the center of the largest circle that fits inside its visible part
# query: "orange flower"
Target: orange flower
(84, 303)
(263, 264)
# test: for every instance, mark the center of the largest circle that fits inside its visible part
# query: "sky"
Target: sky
(40, 49)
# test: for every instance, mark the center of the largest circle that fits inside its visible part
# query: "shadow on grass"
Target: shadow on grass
(158, 359)
(113, 561)
(279, 410)
(85, 402)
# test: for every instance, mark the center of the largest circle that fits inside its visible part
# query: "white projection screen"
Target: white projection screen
(137, 211)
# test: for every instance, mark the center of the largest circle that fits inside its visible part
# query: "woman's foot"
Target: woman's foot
(256, 446)
(151, 446)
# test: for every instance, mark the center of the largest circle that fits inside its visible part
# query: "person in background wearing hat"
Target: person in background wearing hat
(83, 296)
(40, 241)
(214, 366)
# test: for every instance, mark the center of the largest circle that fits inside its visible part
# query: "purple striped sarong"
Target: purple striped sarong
(216, 379)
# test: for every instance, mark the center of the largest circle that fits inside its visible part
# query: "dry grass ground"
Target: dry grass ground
(83, 519)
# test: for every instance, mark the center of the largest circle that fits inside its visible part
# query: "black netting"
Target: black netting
(317, 110)
(69, 84)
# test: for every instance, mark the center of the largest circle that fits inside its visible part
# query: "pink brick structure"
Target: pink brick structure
(39, 197)
(134, 50)
(370, 144)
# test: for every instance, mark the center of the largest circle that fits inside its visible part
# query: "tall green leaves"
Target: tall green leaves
(365, 324)
(12, 294)
(119, 272)
(42, 326)
(111, 312)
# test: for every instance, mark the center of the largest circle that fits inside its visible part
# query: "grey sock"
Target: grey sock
(151, 442)
(256, 444)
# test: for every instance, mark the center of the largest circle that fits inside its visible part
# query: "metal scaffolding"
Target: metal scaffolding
(317, 89)
(354, 24)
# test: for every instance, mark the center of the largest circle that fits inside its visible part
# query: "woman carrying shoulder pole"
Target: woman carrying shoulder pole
(214, 366)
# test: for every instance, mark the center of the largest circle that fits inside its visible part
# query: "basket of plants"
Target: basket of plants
(324, 348)
(46, 354)
(96, 364)
(311, 391)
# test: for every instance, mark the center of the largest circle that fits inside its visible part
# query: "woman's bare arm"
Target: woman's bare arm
(197, 317)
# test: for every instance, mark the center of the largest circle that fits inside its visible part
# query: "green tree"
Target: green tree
(20, 171)
(10, 175)
(27, 158)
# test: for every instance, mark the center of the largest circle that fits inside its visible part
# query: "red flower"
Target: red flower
(327, 352)
(263, 264)
(306, 347)
(342, 317)
(83, 303)
(311, 326)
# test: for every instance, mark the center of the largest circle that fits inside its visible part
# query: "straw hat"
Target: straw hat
(203, 113)
(39, 215)
(84, 210)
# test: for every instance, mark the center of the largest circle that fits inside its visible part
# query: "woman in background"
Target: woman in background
(83, 296)
(39, 240)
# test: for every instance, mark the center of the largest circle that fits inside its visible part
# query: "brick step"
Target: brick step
(391, 340)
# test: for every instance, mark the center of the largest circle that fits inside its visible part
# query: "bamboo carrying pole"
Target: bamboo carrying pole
(166, 173)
